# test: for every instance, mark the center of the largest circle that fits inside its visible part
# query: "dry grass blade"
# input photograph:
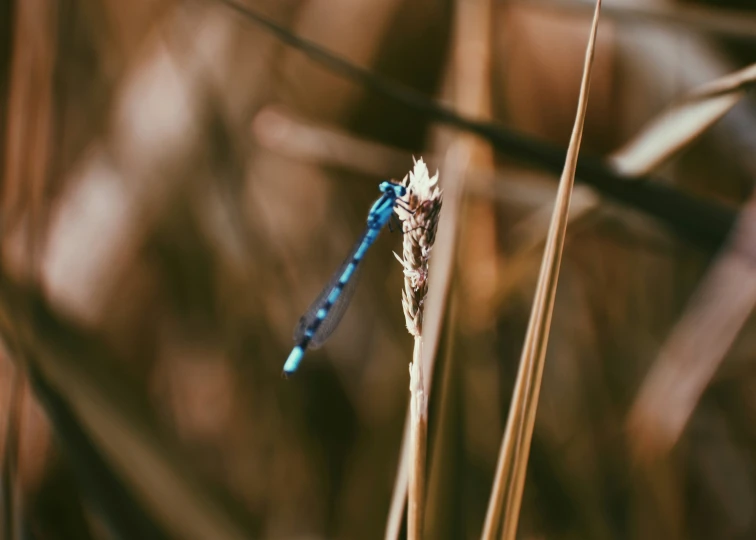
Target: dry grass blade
(740, 80)
(442, 493)
(30, 115)
(471, 77)
(137, 456)
(689, 359)
(468, 81)
(26, 163)
(509, 483)
(679, 125)
(120, 424)
(726, 22)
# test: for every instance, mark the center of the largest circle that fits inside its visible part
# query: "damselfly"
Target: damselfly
(325, 313)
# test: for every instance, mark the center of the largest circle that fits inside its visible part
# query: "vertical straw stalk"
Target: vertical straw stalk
(418, 445)
(419, 225)
(466, 86)
(454, 165)
(509, 483)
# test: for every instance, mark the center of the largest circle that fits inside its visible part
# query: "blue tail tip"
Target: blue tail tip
(292, 362)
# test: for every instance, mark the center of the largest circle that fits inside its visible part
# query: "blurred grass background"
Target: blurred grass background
(178, 185)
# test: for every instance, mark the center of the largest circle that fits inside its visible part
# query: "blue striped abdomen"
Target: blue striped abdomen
(325, 313)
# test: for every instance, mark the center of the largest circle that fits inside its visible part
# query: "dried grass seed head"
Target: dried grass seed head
(424, 199)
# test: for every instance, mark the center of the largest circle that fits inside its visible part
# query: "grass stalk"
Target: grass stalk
(419, 224)
(418, 444)
(506, 496)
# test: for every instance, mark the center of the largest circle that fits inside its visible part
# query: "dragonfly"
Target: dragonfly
(325, 313)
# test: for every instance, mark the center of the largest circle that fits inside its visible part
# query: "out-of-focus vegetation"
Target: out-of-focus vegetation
(178, 184)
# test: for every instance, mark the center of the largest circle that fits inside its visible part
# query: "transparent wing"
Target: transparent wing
(337, 310)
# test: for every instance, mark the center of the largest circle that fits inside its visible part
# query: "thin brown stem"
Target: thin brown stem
(506, 496)
(418, 442)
